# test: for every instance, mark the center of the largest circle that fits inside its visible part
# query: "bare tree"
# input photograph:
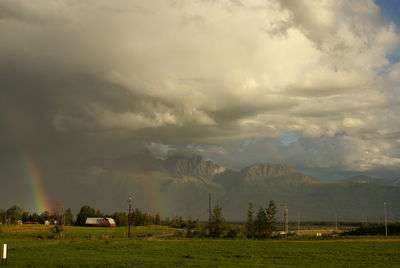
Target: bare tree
(59, 220)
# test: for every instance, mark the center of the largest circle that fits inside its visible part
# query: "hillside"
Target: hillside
(180, 185)
(374, 180)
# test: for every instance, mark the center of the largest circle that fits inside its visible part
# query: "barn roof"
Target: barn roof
(99, 220)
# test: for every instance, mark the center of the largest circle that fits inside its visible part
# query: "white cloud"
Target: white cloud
(246, 68)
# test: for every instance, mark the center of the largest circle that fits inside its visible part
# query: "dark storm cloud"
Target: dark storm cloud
(83, 79)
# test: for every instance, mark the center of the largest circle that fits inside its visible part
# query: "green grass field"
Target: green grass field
(30, 246)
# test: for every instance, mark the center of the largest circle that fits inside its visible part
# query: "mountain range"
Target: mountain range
(180, 185)
(374, 180)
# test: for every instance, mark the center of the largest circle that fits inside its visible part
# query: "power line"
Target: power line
(336, 223)
(386, 230)
(209, 207)
(286, 217)
(298, 222)
(129, 216)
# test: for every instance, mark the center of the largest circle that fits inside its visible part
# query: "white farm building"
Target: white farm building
(100, 222)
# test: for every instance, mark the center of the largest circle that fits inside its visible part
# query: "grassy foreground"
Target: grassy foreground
(108, 247)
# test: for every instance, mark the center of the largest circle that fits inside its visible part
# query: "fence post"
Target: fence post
(4, 255)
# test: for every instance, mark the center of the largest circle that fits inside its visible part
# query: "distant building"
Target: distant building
(31, 222)
(100, 222)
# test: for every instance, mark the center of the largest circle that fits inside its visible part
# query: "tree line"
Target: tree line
(15, 213)
(259, 224)
(121, 218)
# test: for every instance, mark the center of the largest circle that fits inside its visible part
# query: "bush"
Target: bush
(58, 231)
(375, 229)
(232, 231)
(202, 231)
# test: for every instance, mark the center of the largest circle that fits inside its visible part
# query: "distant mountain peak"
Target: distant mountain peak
(193, 166)
(262, 170)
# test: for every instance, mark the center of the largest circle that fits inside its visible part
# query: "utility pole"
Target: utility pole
(336, 225)
(363, 220)
(209, 206)
(286, 217)
(298, 222)
(129, 216)
(386, 230)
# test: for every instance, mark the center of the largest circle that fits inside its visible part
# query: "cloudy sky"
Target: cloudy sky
(313, 84)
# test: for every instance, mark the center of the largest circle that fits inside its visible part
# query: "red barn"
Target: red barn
(100, 222)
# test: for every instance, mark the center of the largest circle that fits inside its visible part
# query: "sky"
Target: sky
(311, 84)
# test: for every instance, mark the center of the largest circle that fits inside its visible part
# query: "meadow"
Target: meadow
(33, 246)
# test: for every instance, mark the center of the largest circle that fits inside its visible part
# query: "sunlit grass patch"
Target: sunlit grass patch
(89, 249)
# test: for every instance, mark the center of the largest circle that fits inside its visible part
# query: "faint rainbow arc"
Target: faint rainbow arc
(35, 178)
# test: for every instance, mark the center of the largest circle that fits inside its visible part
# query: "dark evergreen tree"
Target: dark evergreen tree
(69, 217)
(176, 222)
(190, 226)
(260, 223)
(157, 219)
(270, 217)
(250, 221)
(181, 222)
(149, 219)
(121, 218)
(84, 213)
(2, 216)
(138, 218)
(44, 216)
(13, 214)
(217, 224)
(34, 218)
(166, 221)
(25, 216)
(99, 214)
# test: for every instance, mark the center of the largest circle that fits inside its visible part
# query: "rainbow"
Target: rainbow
(35, 177)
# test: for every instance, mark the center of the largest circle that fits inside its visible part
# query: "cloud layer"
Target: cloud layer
(88, 78)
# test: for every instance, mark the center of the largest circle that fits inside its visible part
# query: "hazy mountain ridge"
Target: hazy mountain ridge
(180, 185)
(374, 180)
(262, 170)
(193, 166)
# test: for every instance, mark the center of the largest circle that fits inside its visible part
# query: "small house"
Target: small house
(100, 222)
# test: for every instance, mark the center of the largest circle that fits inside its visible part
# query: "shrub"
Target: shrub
(375, 229)
(232, 231)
